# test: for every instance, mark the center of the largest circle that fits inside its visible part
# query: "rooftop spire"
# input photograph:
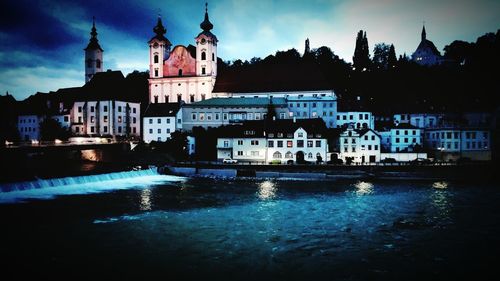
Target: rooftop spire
(424, 35)
(206, 25)
(93, 42)
(159, 29)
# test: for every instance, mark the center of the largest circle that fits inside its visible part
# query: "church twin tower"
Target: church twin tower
(176, 74)
(182, 73)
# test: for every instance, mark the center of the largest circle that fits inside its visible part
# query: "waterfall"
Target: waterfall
(48, 188)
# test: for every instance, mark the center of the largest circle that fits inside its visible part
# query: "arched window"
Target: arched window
(318, 155)
(310, 155)
(89, 63)
(191, 98)
(358, 125)
(203, 56)
(288, 155)
(180, 72)
(365, 126)
(156, 99)
(179, 97)
(277, 155)
(98, 63)
(167, 97)
(156, 58)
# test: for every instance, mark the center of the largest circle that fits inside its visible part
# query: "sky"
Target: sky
(42, 41)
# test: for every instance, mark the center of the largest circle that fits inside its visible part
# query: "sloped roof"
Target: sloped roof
(285, 126)
(238, 101)
(427, 44)
(271, 78)
(161, 110)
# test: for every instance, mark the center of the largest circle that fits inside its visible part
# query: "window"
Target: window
(240, 153)
(156, 72)
(369, 147)
(119, 119)
(314, 104)
(288, 155)
(289, 143)
(366, 137)
(92, 129)
(119, 109)
(226, 143)
(202, 117)
(309, 155)
(150, 131)
(180, 72)
(213, 57)
(406, 132)
(191, 98)
(406, 140)
(309, 143)
(300, 143)
(203, 96)
(280, 143)
(277, 155)
(105, 118)
(354, 149)
(193, 116)
(345, 149)
(156, 58)
(89, 63)
(105, 129)
(224, 116)
(203, 71)
(158, 121)
(375, 147)
(92, 119)
(318, 143)
(217, 117)
(209, 116)
(373, 138)
(168, 131)
(300, 135)
(159, 131)
(397, 140)
(179, 98)
(203, 56)
(254, 142)
(79, 119)
(270, 143)
(66, 118)
(360, 116)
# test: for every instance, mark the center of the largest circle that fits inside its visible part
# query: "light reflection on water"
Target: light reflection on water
(440, 185)
(267, 190)
(145, 204)
(363, 188)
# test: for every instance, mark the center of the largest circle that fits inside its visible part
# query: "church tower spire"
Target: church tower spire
(206, 48)
(424, 34)
(93, 55)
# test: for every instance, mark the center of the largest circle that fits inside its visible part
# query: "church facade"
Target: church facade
(182, 73)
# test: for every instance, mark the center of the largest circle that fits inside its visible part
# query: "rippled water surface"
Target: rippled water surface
(258, 229)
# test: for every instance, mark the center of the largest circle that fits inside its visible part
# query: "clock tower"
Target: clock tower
(159, 50)
(206, 49)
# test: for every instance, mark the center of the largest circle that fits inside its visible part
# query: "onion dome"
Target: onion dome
(93, 42)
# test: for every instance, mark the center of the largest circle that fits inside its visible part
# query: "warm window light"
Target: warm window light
(57, 141)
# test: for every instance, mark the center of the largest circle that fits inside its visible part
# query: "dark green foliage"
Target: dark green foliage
(50, 129)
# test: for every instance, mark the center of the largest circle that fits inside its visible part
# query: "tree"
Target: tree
(361, 58)
(177, 146)
(392, 60)
(51, 129)
(381, 55)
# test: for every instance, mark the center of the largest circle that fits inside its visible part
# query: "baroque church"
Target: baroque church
(182, 73)
(426, 52)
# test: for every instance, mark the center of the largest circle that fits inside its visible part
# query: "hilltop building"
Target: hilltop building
(426, 53)
(182, 73)
(93, 55)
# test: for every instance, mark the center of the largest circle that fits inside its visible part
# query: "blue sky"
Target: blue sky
(42, 41)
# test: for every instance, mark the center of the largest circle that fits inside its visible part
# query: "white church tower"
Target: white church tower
(159, 50)
(93, 55)
(206, 49)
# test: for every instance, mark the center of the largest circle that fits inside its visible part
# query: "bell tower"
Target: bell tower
(159, 50)
(93, 55)
(206, 49)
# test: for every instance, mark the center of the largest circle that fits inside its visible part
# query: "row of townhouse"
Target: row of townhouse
(276, 141)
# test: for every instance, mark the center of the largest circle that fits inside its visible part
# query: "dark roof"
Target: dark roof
(285, 126)
(361, 132)
(161, 110)
(404, 126)
(271, 78)
(238, 101)
(427, 44)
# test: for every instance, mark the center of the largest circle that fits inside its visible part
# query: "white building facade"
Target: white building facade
(405, 138)
(29, 127)
(356, 120)
(105, 118)
(322, 106)
(359, 146)
(160, 121)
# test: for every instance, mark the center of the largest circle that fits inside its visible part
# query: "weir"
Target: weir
(48, 188)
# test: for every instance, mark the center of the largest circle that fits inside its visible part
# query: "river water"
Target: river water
(144, 225)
